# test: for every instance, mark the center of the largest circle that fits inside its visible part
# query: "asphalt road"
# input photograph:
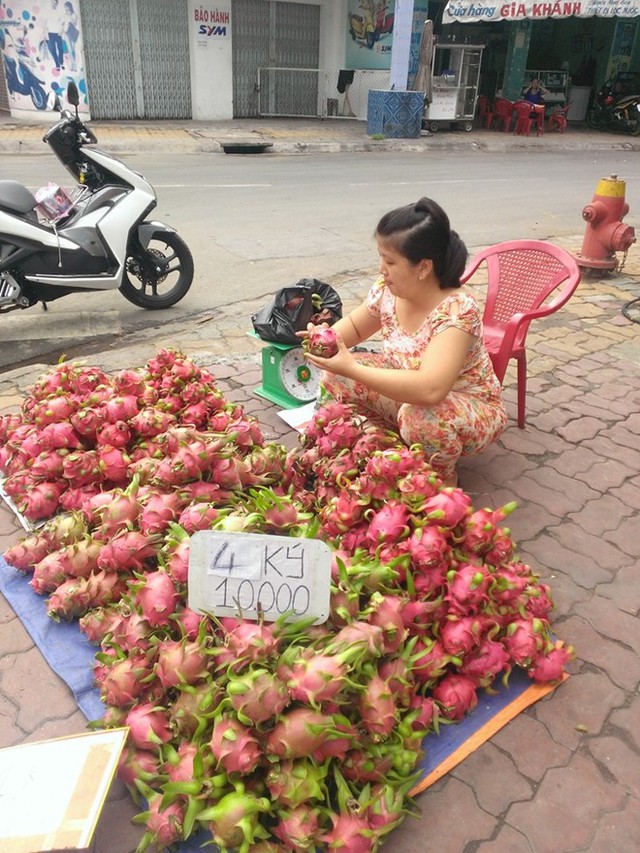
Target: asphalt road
(255, 224)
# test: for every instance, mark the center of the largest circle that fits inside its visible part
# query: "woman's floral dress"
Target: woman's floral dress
(468, 419)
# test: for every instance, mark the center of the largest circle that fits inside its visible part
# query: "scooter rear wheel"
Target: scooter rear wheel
(173, 262)
(595, 119)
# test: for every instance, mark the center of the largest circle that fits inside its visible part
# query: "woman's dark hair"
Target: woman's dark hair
(421, 231)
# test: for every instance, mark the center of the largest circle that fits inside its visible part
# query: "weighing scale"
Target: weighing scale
(287, 379)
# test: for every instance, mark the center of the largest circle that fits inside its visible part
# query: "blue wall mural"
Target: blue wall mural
(42, 51)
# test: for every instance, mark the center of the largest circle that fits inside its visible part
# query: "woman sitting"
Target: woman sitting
(433, 381)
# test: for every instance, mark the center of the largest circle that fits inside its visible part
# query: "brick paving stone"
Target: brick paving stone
(602, 515)
(605, 475)
(578, 791)
(504, 468)
(552, 421)
(574, 460)
(619, 444)
(580, 542)
(38, 690)
(13, 638)
(621, 665)
(10, 731)
(528, 521)
(9, 524)
(618, 759)
(605, 616)
(530, 744)
(558, 494)
(508, 840)
(629, 493)
(6, 611)
(501, 785)
(586, 700)
(608, 411)
(558, 395)
(548, 551)
(564, 591)
(527, 443)
(623, 590)
(627, 536)
(75, 723)
(633, 422)
(618, 831)
(628, 720)
(451, 818)
(580, 429)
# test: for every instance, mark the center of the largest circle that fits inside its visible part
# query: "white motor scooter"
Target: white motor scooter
(97, 239)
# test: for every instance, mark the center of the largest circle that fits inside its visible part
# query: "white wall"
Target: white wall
(211, 60)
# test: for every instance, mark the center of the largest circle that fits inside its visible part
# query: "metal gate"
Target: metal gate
(276, 49)
(137, 58)
(4, 92)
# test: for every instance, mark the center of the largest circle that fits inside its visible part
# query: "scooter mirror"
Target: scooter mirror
(72, 94)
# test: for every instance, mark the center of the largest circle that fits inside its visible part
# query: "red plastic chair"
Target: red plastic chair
(522, 275)
(503, 112)
(558, 119)
(485, 111)
(524, 121)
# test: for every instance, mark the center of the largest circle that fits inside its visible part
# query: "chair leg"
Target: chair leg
(522, 388)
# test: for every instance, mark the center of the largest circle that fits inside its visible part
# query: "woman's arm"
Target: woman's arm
(441, 365)
(358, 326)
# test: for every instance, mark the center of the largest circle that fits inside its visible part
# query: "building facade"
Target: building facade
(181, 59)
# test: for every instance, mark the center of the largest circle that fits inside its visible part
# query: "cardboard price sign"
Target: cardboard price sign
(259, 576)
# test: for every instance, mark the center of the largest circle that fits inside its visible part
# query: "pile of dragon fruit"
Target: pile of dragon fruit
(266, 736)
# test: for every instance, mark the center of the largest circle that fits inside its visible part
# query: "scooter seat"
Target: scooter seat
(16, 198)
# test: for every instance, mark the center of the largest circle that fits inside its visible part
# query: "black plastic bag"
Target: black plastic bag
(293, 307)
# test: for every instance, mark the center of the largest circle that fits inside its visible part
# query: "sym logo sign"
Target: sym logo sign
(212, 22)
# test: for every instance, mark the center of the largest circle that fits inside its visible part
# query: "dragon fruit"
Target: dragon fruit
(292, 783)
(525, 639)
(456, 694)
(76, 596)
(180, 662)
(25, 554)
(47, 465)
(157, 597)
(550, 666)
(321, 341)
(298, 733)
(377, 708)
(116, 434)
(234, 819)
(120, 408)
(123, 681)
(233, 746)
(148, 726)
(388, 524)
(137, 764)
(257, 695)
(313, 677)
(486, 662)
(299, 828)
(159, 510)
(41, 500)
(351, 833)
(164, 823)
(449, 507)
(128, 551)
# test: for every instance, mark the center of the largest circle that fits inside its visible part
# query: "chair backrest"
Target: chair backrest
(483, 105)
(522, 275)
(522, 108)
(503, 108)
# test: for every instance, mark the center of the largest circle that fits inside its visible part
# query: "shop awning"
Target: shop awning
(472, 11)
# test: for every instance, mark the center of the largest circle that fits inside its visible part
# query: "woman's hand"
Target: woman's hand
(341, 363)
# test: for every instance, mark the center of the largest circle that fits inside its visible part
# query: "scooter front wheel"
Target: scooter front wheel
(159, 275)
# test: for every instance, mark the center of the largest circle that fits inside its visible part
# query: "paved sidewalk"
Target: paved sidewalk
(563, 776)
(299, 136)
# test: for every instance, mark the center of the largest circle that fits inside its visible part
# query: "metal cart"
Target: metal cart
(455, 78)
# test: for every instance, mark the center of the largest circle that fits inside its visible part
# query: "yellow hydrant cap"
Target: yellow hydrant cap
(611, 187)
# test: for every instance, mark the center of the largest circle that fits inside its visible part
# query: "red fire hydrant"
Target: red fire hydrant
(606, 233)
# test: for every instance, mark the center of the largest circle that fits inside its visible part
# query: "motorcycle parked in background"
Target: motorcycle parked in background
(98, 238)
(611, 112)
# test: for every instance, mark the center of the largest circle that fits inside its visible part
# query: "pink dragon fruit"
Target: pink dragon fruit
(192, 705)
(429, 661)
(60, 435)
(123, 682)
(149, 422)
(53, 409)
(116, 434)
(299, 828)
(484, 664)
(351, 833)
(467, 588)
(131, 632)
(388, 524)
(148, 726)
(96, 624)
(257, 695)
(81, 467)
(234, 819)
(459, 635)
(129, 382)
(550, 666)
(313, 677)
(292, 783)
(47, 465)
(135, 764)
(26, 553)
(321, 341)
(76, 596)
(449, 507)
(298, 733)
(386, 612)
(87, 421)
(113, 463)
(180, 662)
(481, 528)
(247, 642)
(198, 516)
(377, 708)
(525, 639)
(42, 500)
(456, 694)
(233, 746)
(157, 598)
(120, 408)
(128, 551)
(159, 510)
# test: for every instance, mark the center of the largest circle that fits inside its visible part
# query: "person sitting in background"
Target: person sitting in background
(433, 382)
(534, 92)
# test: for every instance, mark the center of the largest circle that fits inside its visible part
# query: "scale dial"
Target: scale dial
(298, 377)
